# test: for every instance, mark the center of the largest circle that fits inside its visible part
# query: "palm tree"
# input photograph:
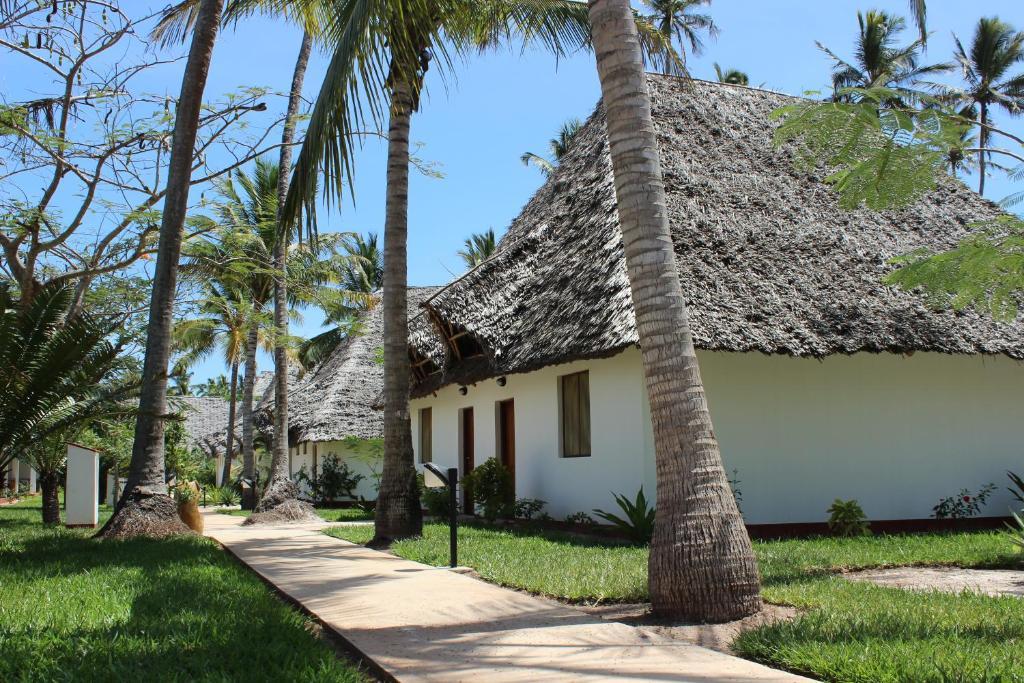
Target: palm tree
(879, 62)
(214, 386)
(56, 376)
(674, 20)
(145, 507)
(381, 58)
(182, 383)
(558, 146)
(361, 279)
(701, 565)
(995, 49)
(478, 248)
(731, 76)
(238, 255)
(224, 319)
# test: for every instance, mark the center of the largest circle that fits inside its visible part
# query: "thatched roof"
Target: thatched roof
(767, 259)
(206, 420)
(335, 400)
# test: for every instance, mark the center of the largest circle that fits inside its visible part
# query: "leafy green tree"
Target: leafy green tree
(985, 271)
(56, 376)
(995, 49)
(880, 62)
(558, 146)
(478, 248)
(731, 76)
(676, 21)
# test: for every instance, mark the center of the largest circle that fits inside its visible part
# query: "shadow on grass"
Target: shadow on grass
(173, 609)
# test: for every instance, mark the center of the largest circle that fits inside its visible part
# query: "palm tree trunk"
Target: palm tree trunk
(248, 385)
(145, 507)
(49, 482)
(398, 513)
(225, 478)
(983, 143)
(281, 488)
(701, 565)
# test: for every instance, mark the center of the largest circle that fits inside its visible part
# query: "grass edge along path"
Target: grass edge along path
(180, 609)
(847, 631)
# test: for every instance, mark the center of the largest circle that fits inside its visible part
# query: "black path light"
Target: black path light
(435, 478)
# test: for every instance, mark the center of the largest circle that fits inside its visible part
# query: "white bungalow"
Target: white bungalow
(822, 382)
(330, 409)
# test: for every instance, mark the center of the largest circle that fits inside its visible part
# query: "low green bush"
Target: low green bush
(491, 487)
(638, 522)
(847, 518)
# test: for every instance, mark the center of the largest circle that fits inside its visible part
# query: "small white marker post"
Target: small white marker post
(82, 492)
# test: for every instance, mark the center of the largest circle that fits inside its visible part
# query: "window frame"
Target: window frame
(582, 418)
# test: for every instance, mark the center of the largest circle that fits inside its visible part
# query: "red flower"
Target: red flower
(967, 499)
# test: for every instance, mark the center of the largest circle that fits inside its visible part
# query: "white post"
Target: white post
(82, 492)
(13, 471)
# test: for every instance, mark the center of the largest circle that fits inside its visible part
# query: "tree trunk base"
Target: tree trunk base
(397, 516)
(154, 516)
(281, 505)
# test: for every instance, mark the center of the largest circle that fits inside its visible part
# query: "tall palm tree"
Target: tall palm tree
(238, 255)
(145, 507)
(182, 383)
(996, 48)
(731, 76)
(224, 319)
(701, 564)
(478, 248)
(674, 19)
(879, 62)
(381, 59)
(558, 147)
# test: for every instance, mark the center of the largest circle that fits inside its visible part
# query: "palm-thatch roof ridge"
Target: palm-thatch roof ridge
(335, 400)
(768, 260)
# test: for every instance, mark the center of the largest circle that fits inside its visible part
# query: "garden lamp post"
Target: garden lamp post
(434, 477)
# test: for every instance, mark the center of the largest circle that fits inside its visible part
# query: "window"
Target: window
(426, 435)
(575, 418)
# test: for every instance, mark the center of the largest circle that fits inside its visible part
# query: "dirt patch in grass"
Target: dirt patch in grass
(994, 582)
(713, 636)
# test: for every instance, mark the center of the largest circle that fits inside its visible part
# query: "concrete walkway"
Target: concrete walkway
(420, 623)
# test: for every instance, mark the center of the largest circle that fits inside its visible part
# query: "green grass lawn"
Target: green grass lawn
(73, 608)
(847, 632)
(327, 514)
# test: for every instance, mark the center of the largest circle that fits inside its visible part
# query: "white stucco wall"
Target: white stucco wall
(894, 432)
(361, 457)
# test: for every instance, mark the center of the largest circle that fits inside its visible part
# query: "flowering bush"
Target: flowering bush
(963, 505)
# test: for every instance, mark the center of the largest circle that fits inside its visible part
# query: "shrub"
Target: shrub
(225, 495)
(335, 479)
(184, 493)
(737, 494)
(435, 501)
(847, 518)
(1018, 490)
(963, 505)
(490, 485)
(526, 508)
(1015, 532)
(581, 518)
(639, 520)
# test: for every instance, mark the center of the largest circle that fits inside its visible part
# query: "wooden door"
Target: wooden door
(468, 456)
(507, 437)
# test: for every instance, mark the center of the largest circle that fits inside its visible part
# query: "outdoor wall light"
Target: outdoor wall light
(463, 390)
(501, 381)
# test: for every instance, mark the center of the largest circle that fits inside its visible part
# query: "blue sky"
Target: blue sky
(498, 105)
